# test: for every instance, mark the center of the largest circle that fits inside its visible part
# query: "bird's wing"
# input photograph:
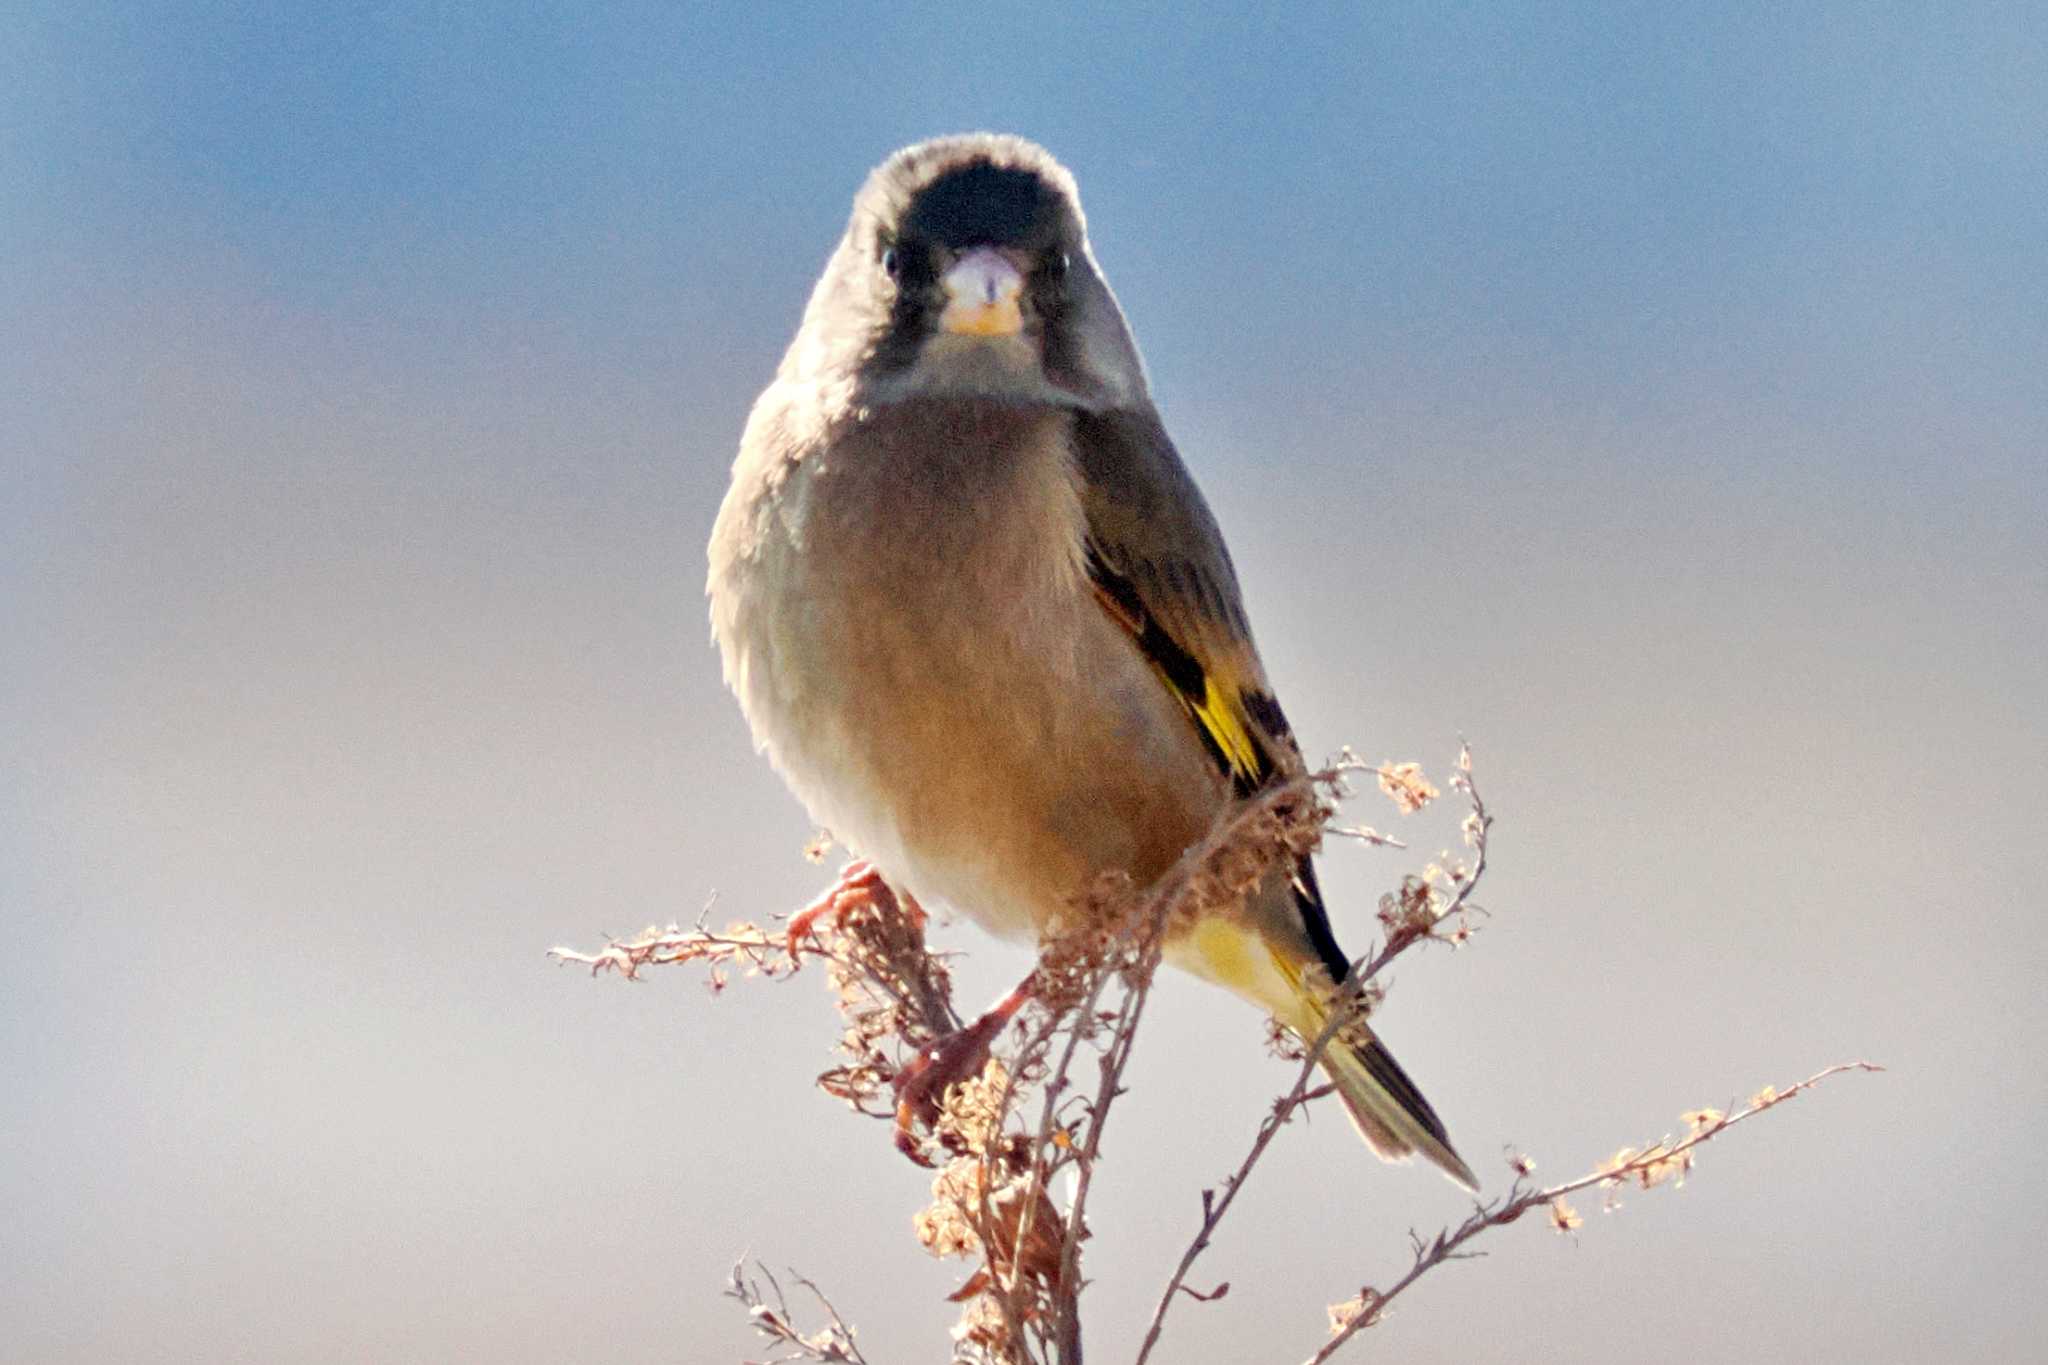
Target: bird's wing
(1159, 568)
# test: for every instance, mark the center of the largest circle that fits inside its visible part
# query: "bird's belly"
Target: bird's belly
(966, 715)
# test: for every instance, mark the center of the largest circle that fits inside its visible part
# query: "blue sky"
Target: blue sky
(1560, 172)
(1658, 399)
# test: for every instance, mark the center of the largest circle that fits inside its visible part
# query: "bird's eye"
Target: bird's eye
(1057, 265)
(892, 264)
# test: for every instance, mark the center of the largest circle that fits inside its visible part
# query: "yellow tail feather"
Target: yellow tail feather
(1388, 1110)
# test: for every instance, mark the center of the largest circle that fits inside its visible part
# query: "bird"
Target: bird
(980, 618)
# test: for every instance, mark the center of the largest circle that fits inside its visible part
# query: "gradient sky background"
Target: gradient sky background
(1659, 400)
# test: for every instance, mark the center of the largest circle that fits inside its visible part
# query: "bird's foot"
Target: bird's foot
(860, 886)
(921, 1086)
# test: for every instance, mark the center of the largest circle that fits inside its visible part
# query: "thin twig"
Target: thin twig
(1067, 1301)
(1349, 998)
(1122, 936)
(1652, 1166)
(832, 1344)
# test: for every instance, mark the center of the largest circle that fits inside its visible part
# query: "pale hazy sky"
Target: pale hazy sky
(1660, 401)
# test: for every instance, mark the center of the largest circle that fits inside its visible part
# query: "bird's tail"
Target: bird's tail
(1385, 1106)
(1387, 1109)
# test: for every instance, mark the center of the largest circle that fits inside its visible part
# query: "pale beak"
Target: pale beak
(982, 293)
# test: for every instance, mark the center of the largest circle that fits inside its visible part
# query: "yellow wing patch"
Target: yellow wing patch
(1218, 714)
(1214, 701)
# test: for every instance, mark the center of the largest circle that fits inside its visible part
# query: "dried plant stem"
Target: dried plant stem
(1652, 1166)
(1149, 922)
(1067, 1291)
(832, 1344)
(1128, 932)
(1349, 994)
(1214, 1208)
(991, 1198)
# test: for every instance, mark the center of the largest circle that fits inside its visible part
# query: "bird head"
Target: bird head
(965, 272)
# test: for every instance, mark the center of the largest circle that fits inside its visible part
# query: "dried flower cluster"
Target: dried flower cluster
(1405, 784)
